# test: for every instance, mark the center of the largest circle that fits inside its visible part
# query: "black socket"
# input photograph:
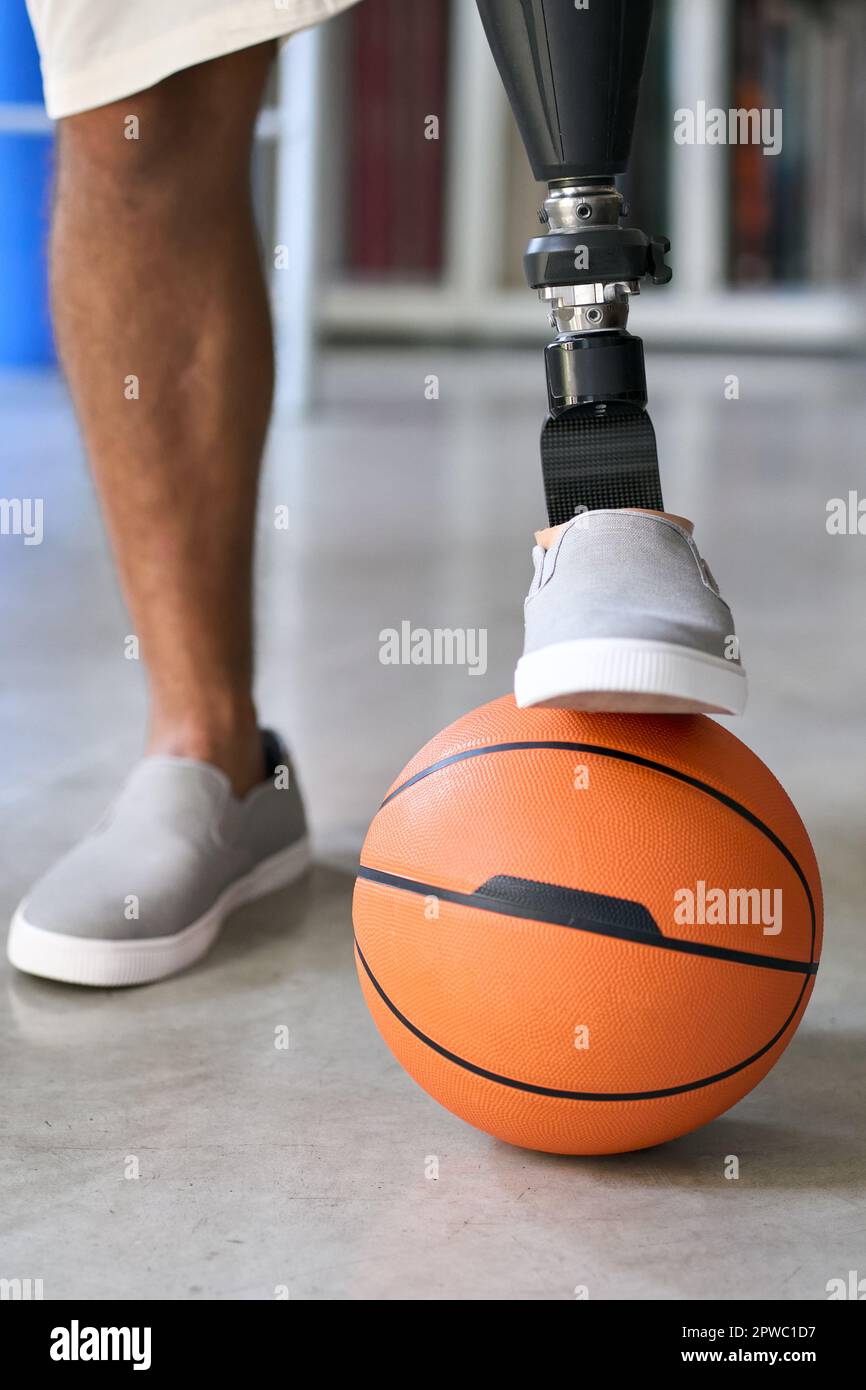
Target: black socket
(595, 367)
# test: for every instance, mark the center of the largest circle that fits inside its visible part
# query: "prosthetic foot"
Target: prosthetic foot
(572, 73)
(624, 614)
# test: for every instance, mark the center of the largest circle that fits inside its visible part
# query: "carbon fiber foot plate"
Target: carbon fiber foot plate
(591, 460)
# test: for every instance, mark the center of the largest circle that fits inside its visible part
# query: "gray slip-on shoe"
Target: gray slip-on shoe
(623, 614)
(146, 892)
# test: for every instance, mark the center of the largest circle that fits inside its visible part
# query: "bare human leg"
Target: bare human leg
(157, 276)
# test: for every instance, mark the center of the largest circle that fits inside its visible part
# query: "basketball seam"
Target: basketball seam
(553, 1092)
(482, 903)
(639, 761)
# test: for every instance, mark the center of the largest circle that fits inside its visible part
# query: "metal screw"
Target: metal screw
(594, 316)
(584, 211)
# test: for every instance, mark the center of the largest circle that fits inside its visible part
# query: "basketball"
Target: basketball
(586, 933)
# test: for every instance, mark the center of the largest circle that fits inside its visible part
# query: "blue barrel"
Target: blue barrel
(25, 179)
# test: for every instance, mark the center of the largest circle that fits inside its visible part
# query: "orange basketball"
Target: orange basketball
(586, 933)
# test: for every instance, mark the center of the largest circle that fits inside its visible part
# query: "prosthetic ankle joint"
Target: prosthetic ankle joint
(598, 446)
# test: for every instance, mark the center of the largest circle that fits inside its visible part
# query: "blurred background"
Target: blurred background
(391, 237)
(766, 250)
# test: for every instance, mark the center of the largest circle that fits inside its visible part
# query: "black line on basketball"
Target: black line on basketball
(535, 912)
(575, 1095)
(639, 761)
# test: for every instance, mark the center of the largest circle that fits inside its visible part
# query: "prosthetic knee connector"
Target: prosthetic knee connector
(572, 74)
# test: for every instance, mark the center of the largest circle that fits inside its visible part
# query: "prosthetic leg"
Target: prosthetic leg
(623, 613)
(572, 73)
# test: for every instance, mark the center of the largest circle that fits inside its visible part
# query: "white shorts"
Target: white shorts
(96, 51)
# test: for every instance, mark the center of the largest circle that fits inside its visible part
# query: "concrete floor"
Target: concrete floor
(305, 1168)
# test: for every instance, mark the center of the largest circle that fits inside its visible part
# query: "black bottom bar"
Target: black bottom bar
(251, 1341)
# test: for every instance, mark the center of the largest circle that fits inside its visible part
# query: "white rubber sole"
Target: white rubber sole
(629, 676)
(79, 960)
